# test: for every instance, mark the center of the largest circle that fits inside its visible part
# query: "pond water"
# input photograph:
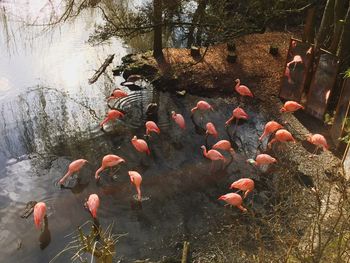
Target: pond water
(50, 116)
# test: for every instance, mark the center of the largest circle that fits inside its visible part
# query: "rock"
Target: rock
(117, 70)
(128, 59)
(231, 57)
(181, 93)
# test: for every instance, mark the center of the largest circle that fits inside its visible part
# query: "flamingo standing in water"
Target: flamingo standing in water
(140, 145)
(245, 184)
(136, 179)
(270, 127)
(211, 130)
(39, 213)
(92, 204)
(202, 105)
(151, 126)
(238, 113)
(242, 89)
(179, 119)
(234, 200)
(262, 159)
(74, 167)
(291, 106)
(282, 136)
(318, 140)
(213, 155)
(112, 115)
(117, 93)
(109, 160)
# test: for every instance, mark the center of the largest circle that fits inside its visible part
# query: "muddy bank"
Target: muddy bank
(255, 66)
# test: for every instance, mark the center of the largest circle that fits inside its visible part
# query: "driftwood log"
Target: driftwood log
(102, 69)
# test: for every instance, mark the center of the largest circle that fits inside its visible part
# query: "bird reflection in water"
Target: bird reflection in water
(45, 235)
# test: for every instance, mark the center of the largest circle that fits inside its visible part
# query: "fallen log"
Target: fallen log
(102, 69)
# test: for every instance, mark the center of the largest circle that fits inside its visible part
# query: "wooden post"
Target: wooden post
(185, 251)
(195, 52)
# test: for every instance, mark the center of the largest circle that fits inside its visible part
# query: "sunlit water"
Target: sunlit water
(50, 116)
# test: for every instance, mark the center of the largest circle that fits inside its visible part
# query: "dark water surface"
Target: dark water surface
(50, 116)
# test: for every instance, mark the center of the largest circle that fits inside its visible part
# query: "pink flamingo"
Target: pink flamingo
(202, 105)
(151, 126)
(244, 184)
(291, 106)
(117, 93)
(140, 145)
(282, 136)
(109, 160)
(179, 119)
(234, 200)
(211, 130)
(242, 89)
(287, 74)
(262, 159)
(237, 113)
(92, 204)
(112, 115)
(39, 213)
(224, 145)
(74, 167)
(318, 140)
(213, 155)
(296, 59)
(270, 127)
(136, 179)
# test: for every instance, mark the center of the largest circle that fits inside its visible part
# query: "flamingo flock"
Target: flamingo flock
(272, 128)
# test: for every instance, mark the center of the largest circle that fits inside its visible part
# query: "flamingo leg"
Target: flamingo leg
(235, 127)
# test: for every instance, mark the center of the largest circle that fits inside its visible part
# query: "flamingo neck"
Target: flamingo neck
(238, 83)
(205, 151)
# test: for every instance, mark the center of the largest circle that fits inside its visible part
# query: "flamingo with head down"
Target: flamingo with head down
(109, 160)
(74, 167)
(244, 184)
(233, 199)
(39, 214)
(136, 179)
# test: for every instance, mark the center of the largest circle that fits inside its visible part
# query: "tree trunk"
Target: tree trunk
(309, 33)
(157, 34)
(326, 23)
(196, 17)
(344, 43)
(339, 14)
